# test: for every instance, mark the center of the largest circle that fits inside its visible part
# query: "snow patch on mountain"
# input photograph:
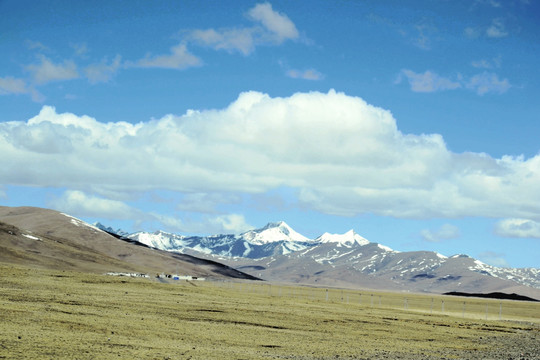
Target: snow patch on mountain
(385, 248)
(80, 223)
(161, 240)
(350, 238)
(31, 237)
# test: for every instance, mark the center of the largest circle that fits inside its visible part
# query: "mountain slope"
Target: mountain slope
(278, 253)
(49, 239)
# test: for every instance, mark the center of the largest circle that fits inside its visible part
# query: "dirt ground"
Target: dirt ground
(70, 315)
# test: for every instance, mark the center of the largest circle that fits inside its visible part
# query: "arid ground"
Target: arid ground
(46, 314)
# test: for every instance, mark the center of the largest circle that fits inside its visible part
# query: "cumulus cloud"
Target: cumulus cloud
(445, 232)
(428, 81)
(340, 154)
(271, 27)
(518, 228)
(310, 74)
(47, 71)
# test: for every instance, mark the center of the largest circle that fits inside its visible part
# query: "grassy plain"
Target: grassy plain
(69, 315)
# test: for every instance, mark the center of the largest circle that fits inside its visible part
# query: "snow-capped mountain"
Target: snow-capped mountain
(273, 232)
(349, 239)
(277, 252)
(273, 239)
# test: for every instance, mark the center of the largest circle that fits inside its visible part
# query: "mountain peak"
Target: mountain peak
(347, 239)
(276, 224)
(272, 232)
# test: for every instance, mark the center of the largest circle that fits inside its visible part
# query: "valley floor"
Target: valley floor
(69, 315)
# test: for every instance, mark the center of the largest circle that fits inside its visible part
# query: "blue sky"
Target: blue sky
(414, 123)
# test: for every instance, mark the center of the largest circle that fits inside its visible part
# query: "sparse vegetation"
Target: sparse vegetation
(61, 314)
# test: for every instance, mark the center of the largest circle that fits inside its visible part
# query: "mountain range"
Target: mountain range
(46, 238)
(276, 252)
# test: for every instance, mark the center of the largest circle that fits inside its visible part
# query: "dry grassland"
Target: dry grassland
(68, 315)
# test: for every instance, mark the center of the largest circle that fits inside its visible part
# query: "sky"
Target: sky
(417, 124)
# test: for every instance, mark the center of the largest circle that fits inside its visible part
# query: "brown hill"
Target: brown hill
(49, 239)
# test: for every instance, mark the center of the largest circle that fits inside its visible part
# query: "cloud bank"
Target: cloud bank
(338, 153)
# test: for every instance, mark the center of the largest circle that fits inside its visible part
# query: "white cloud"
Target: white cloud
(493, 258)
(205, 203)
(496, 29)
(10, 85)
(231, 223)
(488, 82)
(230, 40)
(179, 58)
(78, 203)
(428, 81)
(518, 228)
(36, 45)
(445, 232)
(424, 28)
(221, 224)
(80, 49)
(487, 64)
(102, 72)
(271, 28)
(472, 33)
(279, 25)
(339, 154)
(310, 74)
(47, 71)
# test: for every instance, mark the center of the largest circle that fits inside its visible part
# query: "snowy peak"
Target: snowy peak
(350, 238)
(273, 232)
(159, 239)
